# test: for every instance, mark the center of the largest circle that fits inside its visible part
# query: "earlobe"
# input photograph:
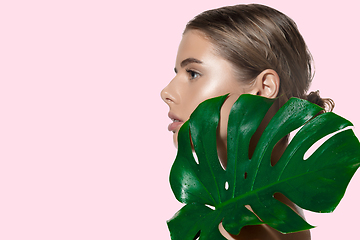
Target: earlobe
(267, 84)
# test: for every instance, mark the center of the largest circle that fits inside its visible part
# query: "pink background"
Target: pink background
(84, 147)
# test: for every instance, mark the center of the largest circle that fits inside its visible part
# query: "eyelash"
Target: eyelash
(191, 73)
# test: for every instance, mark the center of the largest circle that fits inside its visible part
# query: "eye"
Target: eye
(193, 74)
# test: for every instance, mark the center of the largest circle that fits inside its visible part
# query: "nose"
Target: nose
(168, 94)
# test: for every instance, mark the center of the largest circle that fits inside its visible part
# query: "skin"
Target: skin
(202, 74)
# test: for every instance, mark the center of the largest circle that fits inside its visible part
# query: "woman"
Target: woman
(234, 50)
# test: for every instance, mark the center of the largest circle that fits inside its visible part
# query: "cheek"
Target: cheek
(206, 89)
(211, 88)
(216, 83)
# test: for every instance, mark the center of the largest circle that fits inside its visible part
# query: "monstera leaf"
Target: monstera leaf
(213, 195)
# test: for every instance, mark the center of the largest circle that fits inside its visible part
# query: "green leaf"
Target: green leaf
(213, 195)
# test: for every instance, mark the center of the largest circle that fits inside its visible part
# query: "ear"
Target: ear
(266, 84)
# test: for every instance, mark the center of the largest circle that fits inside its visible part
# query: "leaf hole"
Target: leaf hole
(210, 206)
(282, 198)
(248, 207)
(259, 131)
(226, 185)
(293, 133)
(221, 147)
(321, 141)
(222, 164)
(195, 157)
(278, 150)
(281, 145)
(197, 236)
(245, 175)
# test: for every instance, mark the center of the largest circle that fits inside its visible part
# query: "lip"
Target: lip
(177, 122)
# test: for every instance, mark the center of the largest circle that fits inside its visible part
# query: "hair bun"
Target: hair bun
(326, 103)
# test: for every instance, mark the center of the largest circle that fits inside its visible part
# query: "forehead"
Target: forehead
(194, 44)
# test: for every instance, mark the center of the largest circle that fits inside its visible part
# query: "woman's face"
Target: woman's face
(200, 75)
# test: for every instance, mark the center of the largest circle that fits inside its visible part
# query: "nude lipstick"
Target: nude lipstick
(176, 123)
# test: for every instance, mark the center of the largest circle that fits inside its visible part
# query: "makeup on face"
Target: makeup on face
(200, 75)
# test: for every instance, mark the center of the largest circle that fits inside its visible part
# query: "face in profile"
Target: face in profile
(200, 75)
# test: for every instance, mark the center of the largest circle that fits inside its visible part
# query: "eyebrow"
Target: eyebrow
(188, 61)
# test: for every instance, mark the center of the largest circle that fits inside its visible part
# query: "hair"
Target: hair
(255, 38)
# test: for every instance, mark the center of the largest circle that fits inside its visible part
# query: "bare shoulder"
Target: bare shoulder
(264, 232)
